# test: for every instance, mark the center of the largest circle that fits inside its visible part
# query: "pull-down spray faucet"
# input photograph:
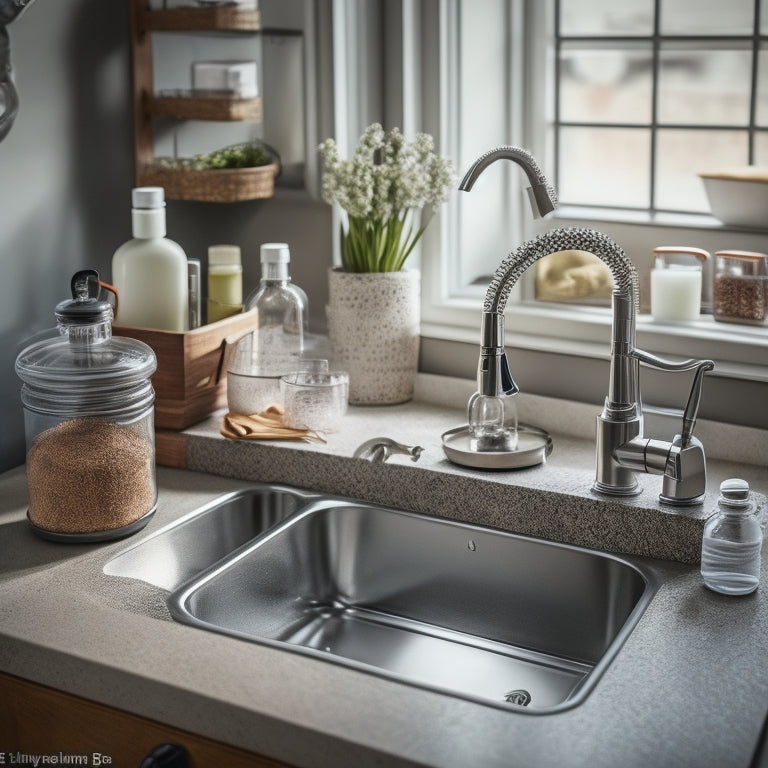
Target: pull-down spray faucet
(621, 448)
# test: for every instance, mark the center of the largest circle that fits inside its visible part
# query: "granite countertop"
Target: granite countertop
(552, 501)
(686, 688)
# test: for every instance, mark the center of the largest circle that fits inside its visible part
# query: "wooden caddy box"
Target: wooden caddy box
(190, 380)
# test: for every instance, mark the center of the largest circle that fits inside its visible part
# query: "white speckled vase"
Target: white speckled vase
(373, 330)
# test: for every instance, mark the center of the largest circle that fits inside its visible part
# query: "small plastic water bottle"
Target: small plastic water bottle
(730, 549)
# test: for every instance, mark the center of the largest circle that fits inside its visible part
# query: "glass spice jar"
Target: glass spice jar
(740, 289)
(89, 424)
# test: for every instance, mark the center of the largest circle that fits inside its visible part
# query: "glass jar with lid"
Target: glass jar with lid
(740, 291)
(89, 423)
(677, 283)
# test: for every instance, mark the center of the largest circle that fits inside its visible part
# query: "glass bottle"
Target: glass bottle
(89, 423)
(275, 348)
(730, 550)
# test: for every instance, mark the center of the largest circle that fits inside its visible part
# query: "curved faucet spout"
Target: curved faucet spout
(542, 195)
(623, 392)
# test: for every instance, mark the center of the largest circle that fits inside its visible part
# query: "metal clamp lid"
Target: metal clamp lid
(85, 307)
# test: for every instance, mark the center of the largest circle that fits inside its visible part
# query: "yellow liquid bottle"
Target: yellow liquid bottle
(225, 282)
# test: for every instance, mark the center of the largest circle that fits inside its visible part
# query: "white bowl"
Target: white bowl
(739, 196)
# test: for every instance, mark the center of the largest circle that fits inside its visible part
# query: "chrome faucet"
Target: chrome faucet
(540, 194)
(621, 449)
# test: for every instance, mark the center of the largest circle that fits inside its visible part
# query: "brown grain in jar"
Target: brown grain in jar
(740, 289)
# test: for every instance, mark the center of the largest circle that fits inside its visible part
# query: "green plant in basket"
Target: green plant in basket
(383, 188)
(237, 156)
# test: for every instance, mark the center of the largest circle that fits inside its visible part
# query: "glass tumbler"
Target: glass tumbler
(314, 400)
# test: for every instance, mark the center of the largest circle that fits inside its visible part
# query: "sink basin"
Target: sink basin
(198, 540)
(506, 620)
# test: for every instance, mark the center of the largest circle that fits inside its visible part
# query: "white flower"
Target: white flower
(387, 179)
(386, 175)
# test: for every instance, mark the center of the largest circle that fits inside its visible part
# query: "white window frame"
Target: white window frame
(453, 313)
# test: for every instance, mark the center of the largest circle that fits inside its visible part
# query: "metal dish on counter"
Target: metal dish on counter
(533, 447)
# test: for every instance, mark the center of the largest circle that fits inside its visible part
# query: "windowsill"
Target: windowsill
(645, 218)
(739, 351)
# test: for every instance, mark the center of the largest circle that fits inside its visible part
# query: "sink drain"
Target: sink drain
(520, 698)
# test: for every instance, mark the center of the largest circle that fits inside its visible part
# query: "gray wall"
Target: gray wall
(66, 172)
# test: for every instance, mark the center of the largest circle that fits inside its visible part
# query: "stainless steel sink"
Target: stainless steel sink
(510, 621)
(198, 540)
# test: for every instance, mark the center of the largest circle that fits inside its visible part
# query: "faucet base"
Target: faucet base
(672, 501)
(613, 490)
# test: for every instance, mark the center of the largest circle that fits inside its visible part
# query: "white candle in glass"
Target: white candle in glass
(676, 286)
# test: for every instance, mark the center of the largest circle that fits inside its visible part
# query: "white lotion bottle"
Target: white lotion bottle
(150, 271)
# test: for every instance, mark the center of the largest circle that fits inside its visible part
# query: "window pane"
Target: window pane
(681, 155)
(605, 85)
(761, 113)
(761, 148)
(606, 17)
(605, 166)
(692, 17)
(704, 86)
(573, 276)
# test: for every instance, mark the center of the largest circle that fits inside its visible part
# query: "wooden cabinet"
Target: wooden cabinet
(228, 185)
(36, 721)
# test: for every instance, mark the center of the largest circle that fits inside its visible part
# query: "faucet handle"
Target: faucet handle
(685, 480)
(692, 407)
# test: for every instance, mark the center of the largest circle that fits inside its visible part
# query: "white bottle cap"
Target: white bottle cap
(148, 197)
(224, 255)
(734, 492)
(275, 253)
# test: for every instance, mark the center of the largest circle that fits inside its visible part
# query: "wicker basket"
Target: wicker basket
(227, 185)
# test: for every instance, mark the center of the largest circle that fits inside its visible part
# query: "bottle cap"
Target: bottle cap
(275, 253)
(148, 197)
(734, 492)
(219, 255)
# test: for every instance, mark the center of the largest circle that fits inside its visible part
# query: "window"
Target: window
(618, 108)
(647, 94)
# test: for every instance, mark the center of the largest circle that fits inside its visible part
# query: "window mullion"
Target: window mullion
(656, 45)
(753, 91)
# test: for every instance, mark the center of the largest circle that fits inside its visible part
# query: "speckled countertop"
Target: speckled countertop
(688, 688)
(552, 501)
